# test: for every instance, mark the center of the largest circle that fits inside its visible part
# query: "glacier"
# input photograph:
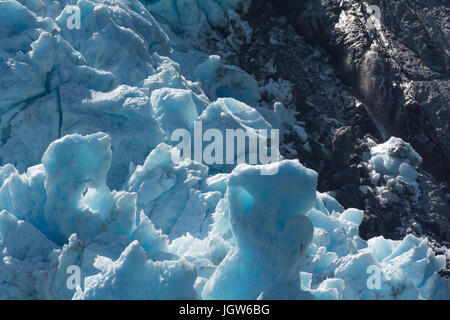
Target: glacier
(87, 177)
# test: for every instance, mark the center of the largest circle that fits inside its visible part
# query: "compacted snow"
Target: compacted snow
(89, 188)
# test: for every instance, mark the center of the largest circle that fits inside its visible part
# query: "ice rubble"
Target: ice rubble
(87, 180)
(395, 161)
(270, 236)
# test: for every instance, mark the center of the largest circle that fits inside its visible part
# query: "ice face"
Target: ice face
(270, 230)
(78, 200)
(45, 80)
(193, 16)
(174, 109)
(87, 179)
(171, 195)
(124, 113)
(220, 80)
(133, 276)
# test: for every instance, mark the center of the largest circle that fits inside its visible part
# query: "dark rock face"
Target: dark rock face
(400, 71)
(351, 82)
(342, 146)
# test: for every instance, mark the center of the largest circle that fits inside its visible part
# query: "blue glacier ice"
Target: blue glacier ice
(270, 231)
(261, 238)
(220, 80)
(135, 276)
(87, 178)
(193, 16)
